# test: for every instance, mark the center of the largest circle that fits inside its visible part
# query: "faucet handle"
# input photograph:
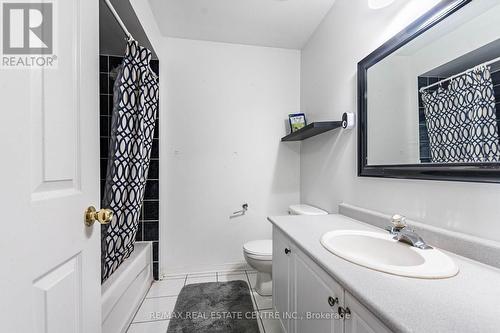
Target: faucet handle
(398, 221)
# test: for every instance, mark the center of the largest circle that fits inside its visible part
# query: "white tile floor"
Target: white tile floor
(161, 298)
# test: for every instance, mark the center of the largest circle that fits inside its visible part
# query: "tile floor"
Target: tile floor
(162, 296)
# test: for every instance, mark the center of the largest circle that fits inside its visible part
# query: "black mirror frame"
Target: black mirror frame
(478, 172)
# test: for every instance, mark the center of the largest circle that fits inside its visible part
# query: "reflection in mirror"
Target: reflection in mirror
(437, 98)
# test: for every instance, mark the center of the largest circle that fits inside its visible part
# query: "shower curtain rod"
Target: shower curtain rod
(117, 18)
(124, 28)
(460, 74)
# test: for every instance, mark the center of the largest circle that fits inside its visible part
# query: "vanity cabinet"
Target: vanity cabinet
(361, 319)
(282, 290)
(316, 297)
(309, 300)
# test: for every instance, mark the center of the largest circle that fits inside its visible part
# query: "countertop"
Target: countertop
(468, 302)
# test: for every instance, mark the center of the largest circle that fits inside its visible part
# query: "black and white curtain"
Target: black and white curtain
(135, 105)
(461, 120)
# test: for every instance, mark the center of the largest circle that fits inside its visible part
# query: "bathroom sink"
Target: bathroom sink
(379, 251)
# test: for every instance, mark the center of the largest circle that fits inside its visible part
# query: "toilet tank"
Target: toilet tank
(305, 210)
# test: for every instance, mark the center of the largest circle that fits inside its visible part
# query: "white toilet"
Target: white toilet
(259, 253)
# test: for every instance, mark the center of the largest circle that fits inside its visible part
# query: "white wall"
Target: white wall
(328, 162)
(224, 108)
(148, 23)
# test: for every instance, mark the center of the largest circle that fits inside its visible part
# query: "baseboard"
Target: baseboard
(196, 269)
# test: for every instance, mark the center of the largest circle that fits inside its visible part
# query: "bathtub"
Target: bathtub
(123, 292)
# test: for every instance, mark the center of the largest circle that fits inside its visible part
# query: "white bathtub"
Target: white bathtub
(123, 292)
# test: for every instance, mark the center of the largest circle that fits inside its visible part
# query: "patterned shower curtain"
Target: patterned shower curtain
(461, 120)
(135, 104)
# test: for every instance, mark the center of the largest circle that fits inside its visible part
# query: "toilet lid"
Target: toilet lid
(259, 247)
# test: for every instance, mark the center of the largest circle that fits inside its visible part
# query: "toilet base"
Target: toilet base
(264, 284)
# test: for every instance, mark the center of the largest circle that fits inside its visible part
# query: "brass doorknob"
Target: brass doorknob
(103, 216)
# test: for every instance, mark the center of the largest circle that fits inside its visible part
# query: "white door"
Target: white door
(50, 261)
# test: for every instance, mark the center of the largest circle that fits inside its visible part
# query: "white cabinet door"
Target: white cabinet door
(281, 278)
(49, 173)
(361, 320)
(316, 298)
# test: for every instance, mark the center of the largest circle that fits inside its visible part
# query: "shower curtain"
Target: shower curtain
(461, 120)
(135, 104)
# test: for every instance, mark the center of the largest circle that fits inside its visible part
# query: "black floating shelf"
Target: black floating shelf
(311, 130)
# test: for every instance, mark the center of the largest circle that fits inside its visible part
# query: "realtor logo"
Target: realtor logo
(27, 28)
(27, 32)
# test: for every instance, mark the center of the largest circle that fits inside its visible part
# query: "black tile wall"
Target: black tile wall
(152, 189)
(149, 221)
(103, 64)
(150, 210)
(154, 169)
(425, 155)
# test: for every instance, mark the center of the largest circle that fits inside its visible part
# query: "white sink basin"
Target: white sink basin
(379, 251)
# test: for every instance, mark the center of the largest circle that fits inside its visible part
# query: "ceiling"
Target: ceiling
(273, 23)
(111, 36)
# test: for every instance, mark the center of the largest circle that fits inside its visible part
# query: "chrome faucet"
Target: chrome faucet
(403, 234)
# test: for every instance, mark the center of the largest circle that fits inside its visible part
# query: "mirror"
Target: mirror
(429, 99)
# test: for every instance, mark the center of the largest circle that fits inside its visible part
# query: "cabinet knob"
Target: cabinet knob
(332, 301)
(344, 313)
(287, 250)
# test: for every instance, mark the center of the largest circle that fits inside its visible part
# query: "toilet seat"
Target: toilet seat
(259, 249)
